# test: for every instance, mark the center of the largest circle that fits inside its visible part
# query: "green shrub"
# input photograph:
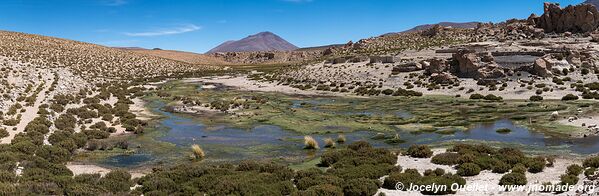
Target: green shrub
(536, 98)
(568, 179)
(536, 165)
(446, 158)
(513, 179)
(410, 176)
(360, 187)
(419, 151)
(501, 167)
(569, 97)
(589, 172)
(591, 162)
(574, 169)
(468, 169)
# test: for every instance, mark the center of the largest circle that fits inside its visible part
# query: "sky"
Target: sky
(199, 25)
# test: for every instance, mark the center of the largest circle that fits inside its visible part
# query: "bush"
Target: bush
(591, 162)
(590, 172)
(477, 96)
(513, 179)
(574, 169)
(569, 97)
(468, 169)
(410, 176)
(536, 98)
(501, 167)
(3, 133)
(419, 151)
(536, 165)
(446, 158)
(519, 168)
(568, 179)
(116, 181)
(360, 187)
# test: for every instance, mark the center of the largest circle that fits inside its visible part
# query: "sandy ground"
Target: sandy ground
(93, 169)
(243, 83)
(140, 110)
(487, 178)
(30, 112)
(585, 122)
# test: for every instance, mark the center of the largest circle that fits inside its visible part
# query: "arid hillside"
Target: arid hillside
(88, 59)
(188, 57)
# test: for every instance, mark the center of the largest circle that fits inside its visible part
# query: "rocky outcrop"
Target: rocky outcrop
(436, 65)
(576, 19)
(478, 66)
(468, 63)
(407, 67)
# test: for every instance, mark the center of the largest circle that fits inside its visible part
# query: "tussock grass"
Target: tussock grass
(198, 153)
(329, 143)
(341, 139)
(310, 143)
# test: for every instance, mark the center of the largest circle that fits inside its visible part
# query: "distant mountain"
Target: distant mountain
(464, 25)
(264, 41)
(592, 2)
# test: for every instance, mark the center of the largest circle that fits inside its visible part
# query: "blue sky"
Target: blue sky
(199, 25)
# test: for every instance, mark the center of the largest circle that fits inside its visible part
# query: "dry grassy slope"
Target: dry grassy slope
(89, 59)
(188, 57)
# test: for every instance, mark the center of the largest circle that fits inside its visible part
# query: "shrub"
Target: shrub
(568, 179)
(476, 96)
(3, 133)
(501, 167)
(591, 162)
(360, 186)
(310, 143)
(536, 165)
(468, 169)
(590, 172)
(569, 97)
(410, 176)
(574, 169)
(420, 151)
(446, 158)
(536, 98)
(513, 179)
(519, 168)
(116, 181)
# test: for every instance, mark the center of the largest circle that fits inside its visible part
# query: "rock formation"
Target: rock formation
(576, 19)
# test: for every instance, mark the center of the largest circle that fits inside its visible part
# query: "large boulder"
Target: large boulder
(407, 67)
(436, 65)
(541, 68)
(468, 63)
(576, 19)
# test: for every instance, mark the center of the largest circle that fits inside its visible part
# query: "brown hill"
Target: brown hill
(188, 57)
(89, 59)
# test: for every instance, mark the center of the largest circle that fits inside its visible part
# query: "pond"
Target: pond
(226, 143)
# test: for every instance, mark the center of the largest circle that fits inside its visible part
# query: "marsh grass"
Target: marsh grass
(198, 153)
(310, 143)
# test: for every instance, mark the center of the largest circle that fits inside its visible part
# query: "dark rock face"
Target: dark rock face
(265, 41)
(576, 19)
